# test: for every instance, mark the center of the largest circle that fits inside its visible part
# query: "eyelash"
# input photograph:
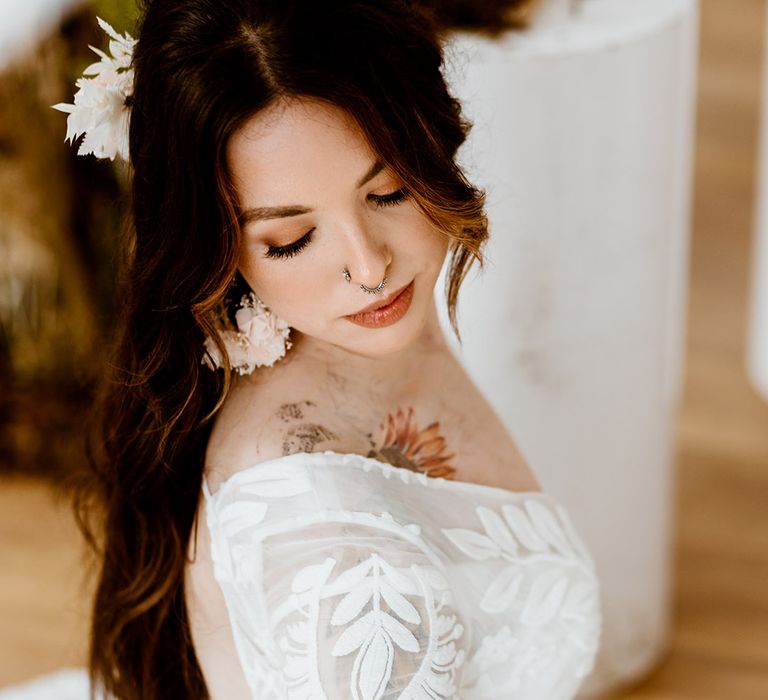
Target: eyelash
(389, 200)
(288, 251)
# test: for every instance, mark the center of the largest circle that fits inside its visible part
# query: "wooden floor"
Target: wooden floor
(43, 583)
(719, 649)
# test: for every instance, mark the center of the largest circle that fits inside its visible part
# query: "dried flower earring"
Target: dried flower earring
(260, 340)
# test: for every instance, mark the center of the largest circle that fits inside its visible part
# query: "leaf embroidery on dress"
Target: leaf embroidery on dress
(533, 528)
(374, 632)
(372, 618)
(375, 610)
(544, 576)
(265, 481)
(278, 480)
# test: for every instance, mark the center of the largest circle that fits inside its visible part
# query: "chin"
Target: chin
(381, 342)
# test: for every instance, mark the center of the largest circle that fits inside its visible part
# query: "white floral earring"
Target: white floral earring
(260, 340)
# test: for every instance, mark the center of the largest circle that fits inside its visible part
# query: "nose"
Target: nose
(369, 257)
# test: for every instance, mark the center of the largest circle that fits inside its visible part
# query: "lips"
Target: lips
(386, 315)
(382, 302)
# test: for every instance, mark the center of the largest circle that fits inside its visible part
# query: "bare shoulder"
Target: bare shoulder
(444, 428)
(256, 424)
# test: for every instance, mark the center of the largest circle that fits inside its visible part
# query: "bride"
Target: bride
(301, 492)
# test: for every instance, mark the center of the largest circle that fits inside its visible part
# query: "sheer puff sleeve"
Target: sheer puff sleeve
(327, 601)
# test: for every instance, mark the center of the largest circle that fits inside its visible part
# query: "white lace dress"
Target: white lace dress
(348, 578)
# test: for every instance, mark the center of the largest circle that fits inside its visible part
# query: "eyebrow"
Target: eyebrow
(266, 213)
(373, 171)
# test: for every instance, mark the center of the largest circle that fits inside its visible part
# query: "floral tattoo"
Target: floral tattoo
(402, 444)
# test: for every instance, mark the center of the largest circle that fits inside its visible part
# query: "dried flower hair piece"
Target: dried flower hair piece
(100, 111)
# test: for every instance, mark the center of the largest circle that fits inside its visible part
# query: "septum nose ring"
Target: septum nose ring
(370, 290)
(375, 289)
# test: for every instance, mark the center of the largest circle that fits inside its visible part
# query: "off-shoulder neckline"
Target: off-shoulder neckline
(387, 469)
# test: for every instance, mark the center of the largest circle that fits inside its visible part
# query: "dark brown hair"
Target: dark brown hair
(202, 68)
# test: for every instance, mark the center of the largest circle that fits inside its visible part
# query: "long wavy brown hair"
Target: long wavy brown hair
(202, 69)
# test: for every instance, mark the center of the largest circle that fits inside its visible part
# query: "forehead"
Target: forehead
(292, 143)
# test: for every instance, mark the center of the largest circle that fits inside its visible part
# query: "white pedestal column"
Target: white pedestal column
(575, 329)
(757, 344)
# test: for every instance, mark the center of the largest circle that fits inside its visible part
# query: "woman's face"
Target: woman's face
(308, 182)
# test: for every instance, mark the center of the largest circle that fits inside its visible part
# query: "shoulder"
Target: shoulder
(256, 424)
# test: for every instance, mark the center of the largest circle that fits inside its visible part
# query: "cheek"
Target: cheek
(440, 243)
(263, 275)
(430, 244)
(286, 287)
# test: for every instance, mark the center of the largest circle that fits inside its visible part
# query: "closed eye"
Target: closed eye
(390, 199)
(288, 251)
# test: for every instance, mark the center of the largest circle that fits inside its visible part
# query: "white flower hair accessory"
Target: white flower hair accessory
(260, 340)
(100, 110)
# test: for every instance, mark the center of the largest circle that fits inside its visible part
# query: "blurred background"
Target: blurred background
(59, 215)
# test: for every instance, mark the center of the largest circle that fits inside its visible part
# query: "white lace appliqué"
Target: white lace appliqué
(349, 579)
(370, 603)
(536, 547)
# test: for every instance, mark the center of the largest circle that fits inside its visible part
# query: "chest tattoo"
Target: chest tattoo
(293, 411)
(401, 442)
(305, 437)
